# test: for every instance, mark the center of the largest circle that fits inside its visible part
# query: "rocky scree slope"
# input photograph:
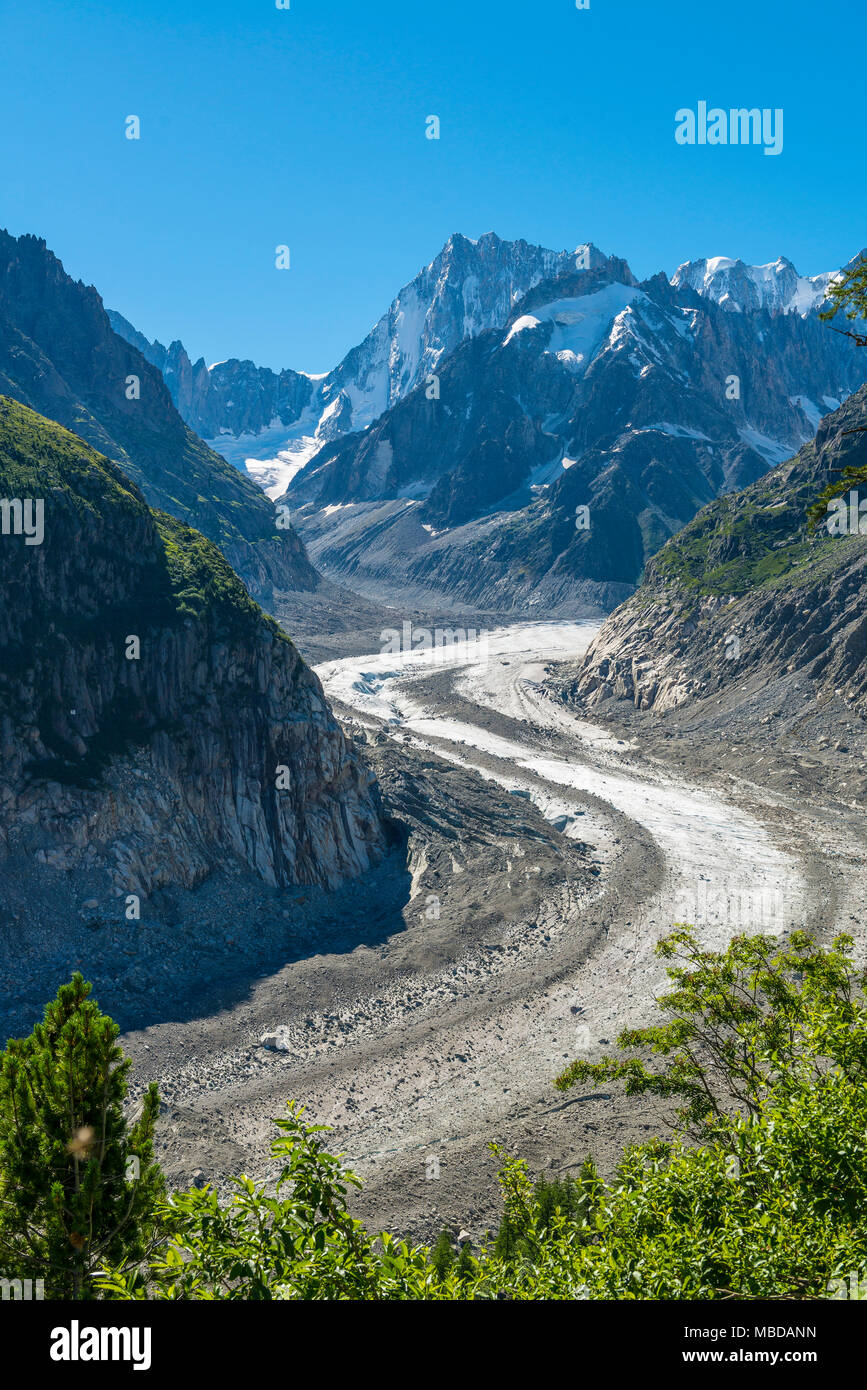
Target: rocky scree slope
(749, 593)
(60, 356)
(155, 770)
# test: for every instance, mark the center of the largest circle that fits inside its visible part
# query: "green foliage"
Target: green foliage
(39, 458)
(300, 1244)
(848, 294)
(762, 1051)
(70, 1199)
(746, 542)
(466, 1266)
(765, 1049)
(203, 585)
(566, 1195)
(180, 574)
(755, 1020)
(443, 1256)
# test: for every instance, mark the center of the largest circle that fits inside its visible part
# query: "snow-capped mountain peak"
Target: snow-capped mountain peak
(741, 288)
(469, 287)
(579, 324)
(572, 312)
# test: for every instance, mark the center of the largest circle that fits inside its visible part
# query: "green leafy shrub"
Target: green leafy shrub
(759, 1191)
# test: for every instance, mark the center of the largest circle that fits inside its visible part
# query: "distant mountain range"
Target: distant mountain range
(229, 398)
(446, 457)
(742, 288)
(275, 422)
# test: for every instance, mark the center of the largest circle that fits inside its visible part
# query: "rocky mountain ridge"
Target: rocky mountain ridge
(523, 429)
(471, 285)
(740, 288)
(562, 449)
(60, 356)
(156, 725)
(228, 398)
(754, 596)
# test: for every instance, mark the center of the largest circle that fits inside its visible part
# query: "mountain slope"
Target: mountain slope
(59, 355)
(748, 598)
(598, 393)
(469, 287)
(231, 397)
(159, 764)
(274, 423)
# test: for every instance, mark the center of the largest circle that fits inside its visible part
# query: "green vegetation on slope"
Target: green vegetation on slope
(107, 567)
(78, 1184)
(179, 573)
(760, 1191)
(767, 536)
(744, 547)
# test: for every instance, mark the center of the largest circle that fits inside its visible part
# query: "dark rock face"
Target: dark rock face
(155, 723)
(749, 593)
(640, 403)
(231, 397)
(59, 355)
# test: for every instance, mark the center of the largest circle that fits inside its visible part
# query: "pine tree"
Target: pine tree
(508, 1242)
(848, 294)
(77, 1183)
(443, 1256)
(466, 1265)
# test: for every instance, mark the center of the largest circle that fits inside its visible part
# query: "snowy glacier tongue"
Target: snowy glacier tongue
(367, 683)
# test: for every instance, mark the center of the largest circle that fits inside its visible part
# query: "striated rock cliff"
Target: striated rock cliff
(155, 724)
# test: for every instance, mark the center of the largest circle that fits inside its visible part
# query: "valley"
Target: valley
(551, 660)
(433, 676)
(545, 856)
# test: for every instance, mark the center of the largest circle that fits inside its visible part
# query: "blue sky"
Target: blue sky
(306, 127)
